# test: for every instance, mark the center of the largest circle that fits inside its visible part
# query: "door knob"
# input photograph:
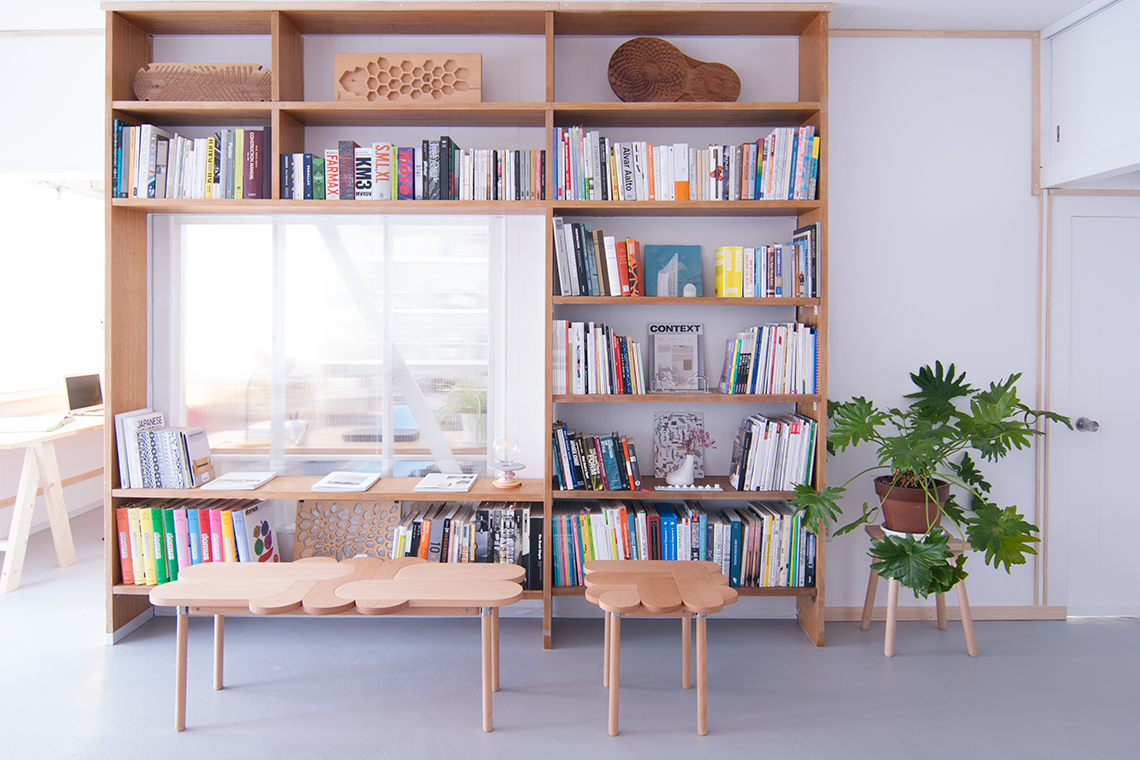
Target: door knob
(1085, 425)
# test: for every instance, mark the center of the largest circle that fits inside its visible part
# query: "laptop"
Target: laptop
(84, 395)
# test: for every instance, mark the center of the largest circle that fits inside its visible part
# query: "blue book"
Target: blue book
(703, 545)
(194, 528)
(734, 547)
(668, 531)
(241, 540)
(672, 270)
(610, 463)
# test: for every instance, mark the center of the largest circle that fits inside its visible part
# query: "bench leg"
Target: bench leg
(495, 649)
(219, 647)
(892, 616)
(869, 603)
(967, 620)
(488, 633)
(614, 669)
(702, 677)
(180, 671)
(606, 650)
(686, 653)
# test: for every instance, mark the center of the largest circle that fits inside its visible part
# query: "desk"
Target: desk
(323, 586)
(657, 588)
(40, 466)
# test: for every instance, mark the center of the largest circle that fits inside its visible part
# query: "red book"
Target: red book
(405, 180)
(623, 267)
(126, 564)
(653, 523)
(633, 265)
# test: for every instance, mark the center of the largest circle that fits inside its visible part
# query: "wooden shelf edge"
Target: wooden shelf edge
(386, 489)
(686, 398)
(727, 493)
(680, 301)
(787, 591)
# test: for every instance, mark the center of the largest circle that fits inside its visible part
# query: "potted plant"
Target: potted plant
(467, 402)
(696, 440)
(925, 449)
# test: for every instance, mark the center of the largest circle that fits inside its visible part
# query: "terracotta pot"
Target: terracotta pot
(910, 510)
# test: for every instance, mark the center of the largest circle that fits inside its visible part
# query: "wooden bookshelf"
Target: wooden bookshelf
(130, 30)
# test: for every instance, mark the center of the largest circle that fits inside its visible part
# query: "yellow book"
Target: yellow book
(229, 548)
(138, 557)
(738, 270)
(211, 147)
(241, 160)
(146, 531)
(729, 273)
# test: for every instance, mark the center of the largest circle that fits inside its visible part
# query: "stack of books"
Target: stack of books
(779, 358)
(154, 455)
(773, 453)
(594, 462)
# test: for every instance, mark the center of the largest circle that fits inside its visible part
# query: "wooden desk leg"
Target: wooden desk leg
(892, 616)
(614, 670)
(869, 603)
(686, 653)
(219, 648)
(56, 509)
(487, 630)
(495, 649)
(17, 544)
(180, 671)
(940, 605)
(606, 651)
(967, 620)
(702, 677)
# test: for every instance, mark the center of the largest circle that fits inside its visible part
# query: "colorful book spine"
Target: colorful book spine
(126, 558)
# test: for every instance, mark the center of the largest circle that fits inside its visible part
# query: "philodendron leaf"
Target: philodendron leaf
(923, 564)
(953, 510)
(937, 390)
(818, 506)
(1002, 534)
(968, 472)
(853, 422)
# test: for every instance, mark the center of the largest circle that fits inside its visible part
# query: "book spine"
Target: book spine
(362, 173)
(406, 188)
(126, 558)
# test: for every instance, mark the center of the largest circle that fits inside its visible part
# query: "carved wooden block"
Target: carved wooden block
(408, 77)
(204, 81)
(651, 69)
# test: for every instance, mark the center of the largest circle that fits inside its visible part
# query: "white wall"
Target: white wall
(933, 246)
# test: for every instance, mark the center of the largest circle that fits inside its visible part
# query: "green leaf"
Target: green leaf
(968, 472)
(937, 390)
(868, 515)
(853, 422)
(1002, 534)
(952, 509)
(817, 506)
(923, 564)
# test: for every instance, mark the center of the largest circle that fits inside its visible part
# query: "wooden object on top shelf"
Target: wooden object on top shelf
(651, 69)
(213, 82)
(408, 78)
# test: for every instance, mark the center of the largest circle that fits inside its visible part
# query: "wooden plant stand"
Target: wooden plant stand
(323, 586)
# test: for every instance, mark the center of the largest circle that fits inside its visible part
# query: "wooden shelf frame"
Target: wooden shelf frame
(129, 31)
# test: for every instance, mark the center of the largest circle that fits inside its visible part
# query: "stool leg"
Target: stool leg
(967, 620)
(702, 678)
(892, 616)
(940, 605)
(180, 671)
(615, 670)
(606, 651)
(219, 648)
(869, 603)
(495, 649)
(487, 631)
(686, 653)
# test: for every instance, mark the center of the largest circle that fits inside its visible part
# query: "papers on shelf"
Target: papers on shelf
(440, 483)
(346, 481)
(240, 481)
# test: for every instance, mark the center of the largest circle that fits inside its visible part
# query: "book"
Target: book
(362, 173)
(194, 447)
(127, 428)
(346, 481)
(672, 270)
(259, 531)
(383, 176)
(126, 557)
(438, 482)
(332, 175)
(669, 430)
(346, 167)
(240, 481)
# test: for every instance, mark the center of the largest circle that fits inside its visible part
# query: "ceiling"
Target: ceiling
(970, 15)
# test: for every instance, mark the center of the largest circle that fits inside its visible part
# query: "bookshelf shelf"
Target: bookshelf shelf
(299, 487)
(562, 34)
(648, 492)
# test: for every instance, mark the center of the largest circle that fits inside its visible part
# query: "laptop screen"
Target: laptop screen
(83, 392)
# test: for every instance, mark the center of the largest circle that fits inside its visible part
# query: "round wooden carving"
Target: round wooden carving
(649, 69)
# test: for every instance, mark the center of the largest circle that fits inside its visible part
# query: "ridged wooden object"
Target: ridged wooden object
(648, 69)
(214, 82)
(408, 78)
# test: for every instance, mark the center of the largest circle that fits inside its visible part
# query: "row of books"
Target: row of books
(154, 455)
(590, 358)
(588, 166)
(762, 544)
(590, 263)
(437, 170)
(779, 358)
(779, 269)
(773, 453)
(461, 531)
(151, 162)
(594, 462)
(159, 536)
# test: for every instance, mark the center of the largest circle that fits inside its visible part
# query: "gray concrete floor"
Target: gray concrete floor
(341, 688)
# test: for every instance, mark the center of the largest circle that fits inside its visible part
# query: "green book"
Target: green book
(168, 543)
(318, 178)
(158, 538)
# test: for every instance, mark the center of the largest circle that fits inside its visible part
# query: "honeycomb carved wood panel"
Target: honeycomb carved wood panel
(420, 78)
(344, 528)
(203, 82)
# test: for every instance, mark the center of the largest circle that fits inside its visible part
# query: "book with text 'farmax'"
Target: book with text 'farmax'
(346, 481)
(332, 175)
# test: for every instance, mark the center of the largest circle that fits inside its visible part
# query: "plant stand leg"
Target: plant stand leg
(967, 620)
(940, 605)
(892, 616)
(869, 603)
(686, 653)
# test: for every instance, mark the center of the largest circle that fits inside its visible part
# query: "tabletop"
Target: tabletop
(23, 439)
(659, 587)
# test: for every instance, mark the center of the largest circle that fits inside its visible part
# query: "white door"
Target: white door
(1094, 506)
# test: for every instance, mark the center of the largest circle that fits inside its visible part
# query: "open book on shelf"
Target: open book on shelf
(438, 482)
(240, 481)
(346, 481)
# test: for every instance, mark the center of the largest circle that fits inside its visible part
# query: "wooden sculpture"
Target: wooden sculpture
(651, 69)
(204, 82)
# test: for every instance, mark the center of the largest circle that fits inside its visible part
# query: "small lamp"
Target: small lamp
(506, 451)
